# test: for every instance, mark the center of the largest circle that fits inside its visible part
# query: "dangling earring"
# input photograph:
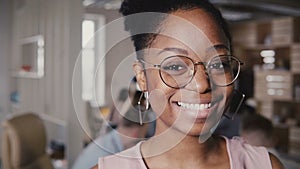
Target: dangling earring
(146, 95)
(233, 104)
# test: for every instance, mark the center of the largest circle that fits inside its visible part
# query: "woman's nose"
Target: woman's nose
(200, 81)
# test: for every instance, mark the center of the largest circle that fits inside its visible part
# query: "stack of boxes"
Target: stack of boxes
(294, 141)
(275, 85)
(295, 58)
(285, 31)
(271, 85)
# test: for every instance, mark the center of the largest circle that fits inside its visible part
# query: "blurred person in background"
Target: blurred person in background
(126, 134)
(127, 97)
(257, 130)
(114, 117)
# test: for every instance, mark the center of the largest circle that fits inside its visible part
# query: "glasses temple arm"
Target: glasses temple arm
(154, 65)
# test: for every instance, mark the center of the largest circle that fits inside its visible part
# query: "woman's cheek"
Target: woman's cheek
(158, 101)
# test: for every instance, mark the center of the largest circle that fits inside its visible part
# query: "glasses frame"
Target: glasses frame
(205, 64)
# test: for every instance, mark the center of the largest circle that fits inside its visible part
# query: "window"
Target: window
(93, 61)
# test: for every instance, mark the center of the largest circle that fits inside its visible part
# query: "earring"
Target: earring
(233, 104)
(146, 96)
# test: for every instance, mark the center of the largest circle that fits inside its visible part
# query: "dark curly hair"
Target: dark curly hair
(150, 23)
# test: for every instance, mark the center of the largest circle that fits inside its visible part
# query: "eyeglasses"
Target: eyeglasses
(178, 71)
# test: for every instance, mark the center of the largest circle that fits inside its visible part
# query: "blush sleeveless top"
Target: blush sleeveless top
(241, 156)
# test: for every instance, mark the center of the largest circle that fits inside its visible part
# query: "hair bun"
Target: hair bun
(145, 26)
(165, 6)
(129, 7)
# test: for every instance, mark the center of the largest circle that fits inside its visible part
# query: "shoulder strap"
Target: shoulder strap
(244, 155)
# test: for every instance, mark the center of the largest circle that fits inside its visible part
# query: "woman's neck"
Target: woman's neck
(180, 150)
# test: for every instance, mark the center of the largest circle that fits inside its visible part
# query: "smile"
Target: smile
(194, 106)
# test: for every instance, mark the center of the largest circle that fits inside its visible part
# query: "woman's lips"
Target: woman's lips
(195, 110)
(194, 106)
(199, 110)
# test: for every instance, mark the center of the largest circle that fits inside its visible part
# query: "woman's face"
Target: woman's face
(198, 106)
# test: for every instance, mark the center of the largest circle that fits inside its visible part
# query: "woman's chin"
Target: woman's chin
(198, 128)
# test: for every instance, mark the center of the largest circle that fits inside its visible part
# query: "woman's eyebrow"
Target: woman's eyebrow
(216, 48)
(210, 49)
(175, 50)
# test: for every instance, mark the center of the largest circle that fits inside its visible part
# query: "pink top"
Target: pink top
(241, 156)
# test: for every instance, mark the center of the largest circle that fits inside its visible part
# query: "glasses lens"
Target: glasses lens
(177, 71)
(223, 70)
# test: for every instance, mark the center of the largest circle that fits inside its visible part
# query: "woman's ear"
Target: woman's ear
(140, 75)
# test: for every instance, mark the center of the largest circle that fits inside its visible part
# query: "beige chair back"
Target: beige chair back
(24, 143)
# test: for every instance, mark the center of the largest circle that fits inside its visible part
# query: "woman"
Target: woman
(187, 72)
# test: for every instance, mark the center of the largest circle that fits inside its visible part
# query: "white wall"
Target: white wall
(59, 21)
(5, 43)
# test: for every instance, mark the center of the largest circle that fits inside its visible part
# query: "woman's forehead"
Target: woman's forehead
(166, 46)
(193, 29)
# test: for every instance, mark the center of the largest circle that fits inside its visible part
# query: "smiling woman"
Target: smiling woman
(186, 69)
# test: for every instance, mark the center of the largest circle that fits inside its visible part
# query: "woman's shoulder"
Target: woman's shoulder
(243, 154)
(130, 158)
(239, 146)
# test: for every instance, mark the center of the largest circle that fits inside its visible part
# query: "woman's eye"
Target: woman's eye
(173, 67)
(224, 65)
(217, 66)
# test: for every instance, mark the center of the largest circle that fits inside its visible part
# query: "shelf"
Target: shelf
(259, 47)
(292, 101)
(31, 75)
(276, 75)
(30, 58)
(53, 120)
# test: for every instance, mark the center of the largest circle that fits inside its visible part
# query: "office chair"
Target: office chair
(24, 143)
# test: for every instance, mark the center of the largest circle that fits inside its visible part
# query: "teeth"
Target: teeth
(194, 106)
